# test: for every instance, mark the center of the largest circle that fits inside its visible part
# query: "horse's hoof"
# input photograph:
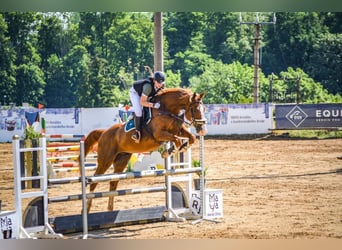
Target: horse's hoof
(184, 147)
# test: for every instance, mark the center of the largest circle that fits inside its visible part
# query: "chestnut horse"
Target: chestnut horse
(178, 108)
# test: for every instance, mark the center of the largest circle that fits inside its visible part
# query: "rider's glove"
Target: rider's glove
(156, 105)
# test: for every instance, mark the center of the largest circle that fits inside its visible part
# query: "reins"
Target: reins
(174, 116)
(184, 120)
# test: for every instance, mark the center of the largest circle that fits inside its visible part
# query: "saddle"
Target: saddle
(147, 116)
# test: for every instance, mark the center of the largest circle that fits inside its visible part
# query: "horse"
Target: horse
(179, 108)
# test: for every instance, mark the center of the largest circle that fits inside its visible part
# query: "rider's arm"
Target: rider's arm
(144, 102)
(147, 89)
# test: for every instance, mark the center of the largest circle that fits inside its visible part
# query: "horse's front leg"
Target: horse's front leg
(191, 139)
(165, 136)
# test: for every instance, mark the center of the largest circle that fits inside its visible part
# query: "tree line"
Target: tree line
(91, 59)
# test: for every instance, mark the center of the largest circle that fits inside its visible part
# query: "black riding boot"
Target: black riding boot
(137, 135)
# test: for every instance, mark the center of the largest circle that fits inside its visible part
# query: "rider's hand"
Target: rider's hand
(156, 105)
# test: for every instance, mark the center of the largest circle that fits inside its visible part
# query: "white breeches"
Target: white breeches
(135, 100)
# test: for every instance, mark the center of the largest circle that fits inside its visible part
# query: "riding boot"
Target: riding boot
(137, 135)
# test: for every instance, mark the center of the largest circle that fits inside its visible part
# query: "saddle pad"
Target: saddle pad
(129, 125)
(147, 114)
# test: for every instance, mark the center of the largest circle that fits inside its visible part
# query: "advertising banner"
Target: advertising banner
(12, 122)
(9, 227)
(308, 116)
(223, 119)
(96, 118)
(62, 121)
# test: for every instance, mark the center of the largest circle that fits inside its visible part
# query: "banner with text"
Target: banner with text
(225, 119)
(308, 116)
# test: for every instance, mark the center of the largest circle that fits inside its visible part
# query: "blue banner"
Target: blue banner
(308, 116)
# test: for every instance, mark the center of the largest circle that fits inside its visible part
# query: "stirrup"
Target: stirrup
(136, 137)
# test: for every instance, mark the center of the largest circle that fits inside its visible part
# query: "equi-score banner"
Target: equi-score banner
(308, 116)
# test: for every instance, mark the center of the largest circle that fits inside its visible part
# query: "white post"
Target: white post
(44, 180)
(84, 192)
(17, 182)
(184, 166)
(202, 183)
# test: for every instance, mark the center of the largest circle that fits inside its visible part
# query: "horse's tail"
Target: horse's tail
(90, 141)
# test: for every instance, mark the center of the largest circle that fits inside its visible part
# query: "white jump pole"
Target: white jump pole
(84, 195)
(202, 183)
(84, 192)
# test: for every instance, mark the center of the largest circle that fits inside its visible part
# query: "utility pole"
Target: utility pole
(257, 25)
(158, 42)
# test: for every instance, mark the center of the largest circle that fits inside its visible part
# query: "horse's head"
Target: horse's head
(195, 113)
(176, 100)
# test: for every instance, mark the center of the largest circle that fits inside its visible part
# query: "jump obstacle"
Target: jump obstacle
(67, 163)
(67, 224)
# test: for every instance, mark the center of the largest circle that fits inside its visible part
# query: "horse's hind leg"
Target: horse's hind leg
(103, 163)
(90, 200)
(120, 163)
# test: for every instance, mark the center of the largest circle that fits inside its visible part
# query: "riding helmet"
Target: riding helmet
(159, 76)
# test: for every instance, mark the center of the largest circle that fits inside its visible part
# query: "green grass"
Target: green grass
(284, 134)
(315, 134)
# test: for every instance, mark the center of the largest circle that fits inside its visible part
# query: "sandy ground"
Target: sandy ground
(272, 189)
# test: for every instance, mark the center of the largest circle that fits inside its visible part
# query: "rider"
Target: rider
(139, 94)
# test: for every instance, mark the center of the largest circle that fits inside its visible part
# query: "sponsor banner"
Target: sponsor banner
(223, 119)
(12, 122)
(9, 227)
(97, 118)
(308, 116)
(213, 203)
(62, 121)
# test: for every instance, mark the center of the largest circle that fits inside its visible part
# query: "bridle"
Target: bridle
(196, 122)
(193, 122)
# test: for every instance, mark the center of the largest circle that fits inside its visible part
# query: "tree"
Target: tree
(30, 84)
(55, 89)
(226, 83)
(325, 62)
(130, 43)
(76, 66)
(29, 77)
(92, 31)
(68, 79)
(179, 29)
(50, 33)
(291, 43)
(309, 90)
(7, 66)
(193, 61)
(226, 40)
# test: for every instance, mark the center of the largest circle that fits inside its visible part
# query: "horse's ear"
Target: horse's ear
(193, 97)
(198, 98)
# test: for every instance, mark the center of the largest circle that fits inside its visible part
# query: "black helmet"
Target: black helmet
(159, 76)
